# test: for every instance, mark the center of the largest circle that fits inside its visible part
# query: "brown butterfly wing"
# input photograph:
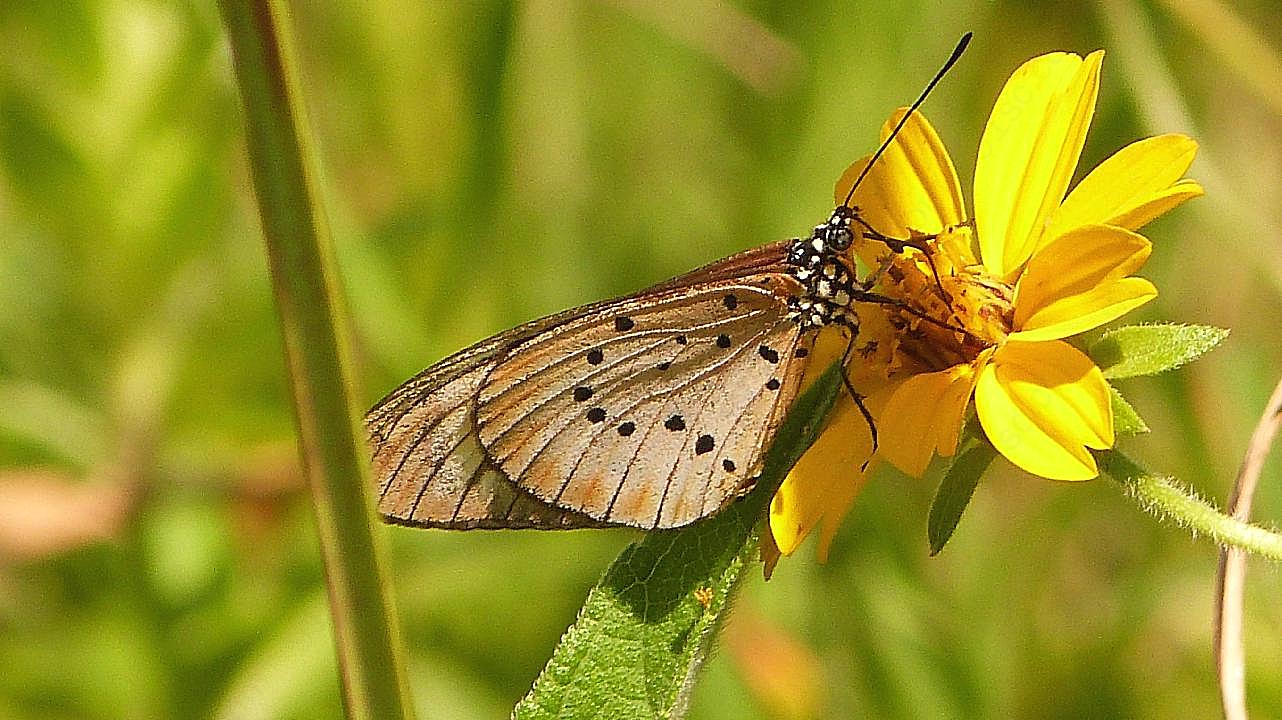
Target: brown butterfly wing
(429, 464)
(431, 470)
(653, 412)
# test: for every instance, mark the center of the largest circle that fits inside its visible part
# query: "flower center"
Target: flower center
(952, 308)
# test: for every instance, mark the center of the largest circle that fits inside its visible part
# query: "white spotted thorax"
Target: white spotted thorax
(822, 264)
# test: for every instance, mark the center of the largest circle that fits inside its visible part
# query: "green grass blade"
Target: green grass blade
(646, 627)
(303, 277)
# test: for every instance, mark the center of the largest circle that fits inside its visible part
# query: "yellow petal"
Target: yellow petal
(913, 186)
(869, 362)
(924, 416)
(1159, 204)
(1029, 150)
(1042, 405)
(1078, 313)
(1135, 185)
(839, 502)
(1078, 282)
(823, 484)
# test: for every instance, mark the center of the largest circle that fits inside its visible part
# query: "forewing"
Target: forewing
(651, 412)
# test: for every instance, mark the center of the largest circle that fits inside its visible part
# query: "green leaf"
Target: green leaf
(646, 627)
(1151, 349)
(955, 491)
(1125, 420)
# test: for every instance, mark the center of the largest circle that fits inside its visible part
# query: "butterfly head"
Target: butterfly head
(828, 241)
(836, 233)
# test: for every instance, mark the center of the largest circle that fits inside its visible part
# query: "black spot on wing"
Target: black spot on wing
(704, 444)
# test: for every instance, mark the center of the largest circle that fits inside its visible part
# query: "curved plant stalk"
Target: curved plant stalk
(303, 277)
(1169, 500)
(1230, 578)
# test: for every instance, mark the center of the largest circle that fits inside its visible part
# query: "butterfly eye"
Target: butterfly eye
(840, 238)
(836, 232)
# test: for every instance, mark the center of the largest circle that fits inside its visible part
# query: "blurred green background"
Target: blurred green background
(488, 162)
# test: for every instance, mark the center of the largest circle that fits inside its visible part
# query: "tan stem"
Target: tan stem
(1230, 579)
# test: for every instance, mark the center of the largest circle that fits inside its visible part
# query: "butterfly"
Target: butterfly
(652, 410)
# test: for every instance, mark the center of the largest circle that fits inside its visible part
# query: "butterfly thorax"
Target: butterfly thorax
(821, 264)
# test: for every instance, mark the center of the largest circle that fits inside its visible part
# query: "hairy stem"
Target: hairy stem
(1169, 500)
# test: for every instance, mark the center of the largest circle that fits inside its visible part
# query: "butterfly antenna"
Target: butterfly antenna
(952, 60)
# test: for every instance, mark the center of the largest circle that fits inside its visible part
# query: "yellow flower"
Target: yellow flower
(992, 325)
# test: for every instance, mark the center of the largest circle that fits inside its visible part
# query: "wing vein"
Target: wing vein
(705, 372)
(664, 336)
(685, 443)
(436, 468)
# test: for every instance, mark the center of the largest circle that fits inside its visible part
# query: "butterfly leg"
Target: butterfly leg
(852, 329)
(898, 245)
(873, 277)
(879, 299)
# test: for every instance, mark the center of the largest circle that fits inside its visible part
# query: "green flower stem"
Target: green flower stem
(1166, 498)
(303, 277)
